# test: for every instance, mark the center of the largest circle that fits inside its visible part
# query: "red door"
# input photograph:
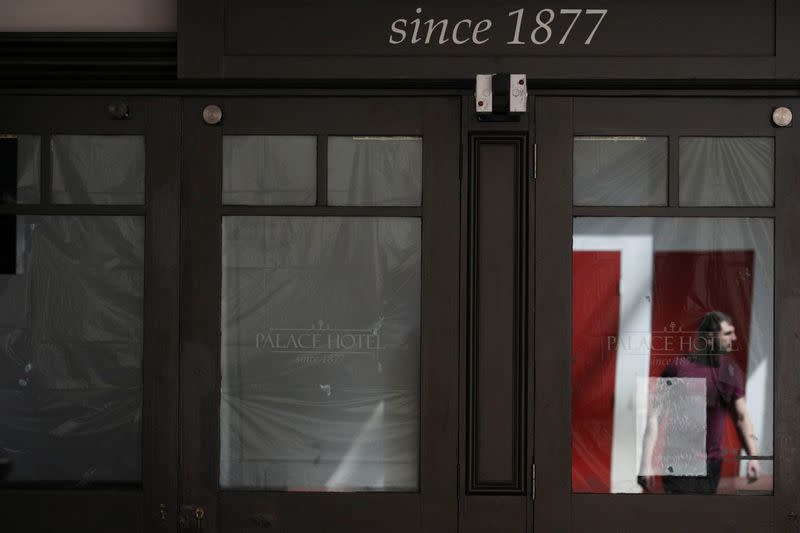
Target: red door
(595, 319)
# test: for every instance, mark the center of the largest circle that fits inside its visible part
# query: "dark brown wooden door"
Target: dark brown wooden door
(319, 337)
(698, 197)
(89, 323)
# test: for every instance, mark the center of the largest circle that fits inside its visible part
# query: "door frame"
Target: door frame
(433, 508)
(130, 506)
(558, 120)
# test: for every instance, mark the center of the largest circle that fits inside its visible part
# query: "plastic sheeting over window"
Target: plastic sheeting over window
(71, 349)
(269, 169)
(320, 353)
(727, 171)
(641, 288)
(375, 171)
(620, 171)
(98, 169)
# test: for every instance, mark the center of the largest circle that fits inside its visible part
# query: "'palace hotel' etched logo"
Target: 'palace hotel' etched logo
(671, 340)
(320, 341)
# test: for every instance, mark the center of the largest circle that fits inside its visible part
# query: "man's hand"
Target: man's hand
(753, 470)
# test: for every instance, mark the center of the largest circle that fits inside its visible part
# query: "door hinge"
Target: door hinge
(501, 97)
(533, 482)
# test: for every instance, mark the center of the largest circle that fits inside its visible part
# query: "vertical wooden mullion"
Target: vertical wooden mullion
(161, 342)
(201, 171)
(673, 172)
(553, 328)
(787, 329)
(322, 170)
(46, 169)
(530, 320)
(439, 315)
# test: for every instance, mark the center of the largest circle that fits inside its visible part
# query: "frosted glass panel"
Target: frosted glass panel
(320, 353)
(98, 169)
(269, 170)
(375, 171)
(71, 323)
(727, 171)
(620, 171)
(20, 157)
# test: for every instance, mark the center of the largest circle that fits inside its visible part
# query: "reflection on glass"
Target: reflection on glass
(269, 169)
(71, 348)
(375, 171)
(727, 171)
(620, 171)
(19, 169)
(672, 355)
(320, 353)
(98, 169)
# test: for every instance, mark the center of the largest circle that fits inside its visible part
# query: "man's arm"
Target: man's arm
(745, 427)
(646, 474)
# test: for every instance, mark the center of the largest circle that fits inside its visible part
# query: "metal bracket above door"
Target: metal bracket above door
(501, 97)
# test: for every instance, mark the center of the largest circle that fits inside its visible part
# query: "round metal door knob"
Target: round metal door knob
(119, 110)
(212, 114)
(782, 117)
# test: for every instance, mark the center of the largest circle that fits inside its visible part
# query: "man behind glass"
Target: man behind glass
(724, 396)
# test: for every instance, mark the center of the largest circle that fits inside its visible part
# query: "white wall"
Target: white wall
(89, 15)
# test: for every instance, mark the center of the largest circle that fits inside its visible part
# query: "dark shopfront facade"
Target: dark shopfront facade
(287, 271)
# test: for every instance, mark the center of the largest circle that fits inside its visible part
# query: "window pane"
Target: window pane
(375, 171)
(269, 170)
(98, 169)
(620, 171)
(71, 307)
(733, 171)
(320, 353)
(672, 333)
(20, 157)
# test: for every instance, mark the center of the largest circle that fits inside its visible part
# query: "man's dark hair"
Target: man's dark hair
(708, 327)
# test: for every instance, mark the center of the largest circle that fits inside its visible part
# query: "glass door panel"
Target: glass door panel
(320, 353)
(678, 328)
